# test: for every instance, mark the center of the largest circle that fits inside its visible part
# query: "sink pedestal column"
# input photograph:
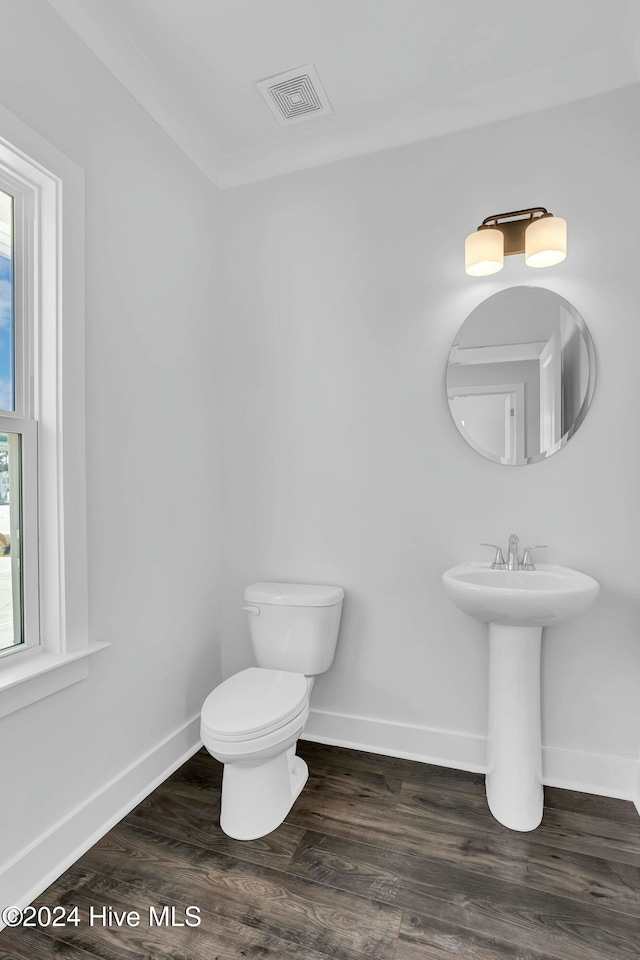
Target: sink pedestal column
(514, 767)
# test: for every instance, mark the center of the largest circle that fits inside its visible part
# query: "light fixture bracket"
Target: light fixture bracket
(513, 225)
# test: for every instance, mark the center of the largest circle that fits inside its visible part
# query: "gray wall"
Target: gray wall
(152, 249)
(345, 289)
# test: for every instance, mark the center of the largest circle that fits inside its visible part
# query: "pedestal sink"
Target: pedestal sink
(517, 604)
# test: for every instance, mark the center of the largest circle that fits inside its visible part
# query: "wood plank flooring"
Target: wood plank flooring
(380, 859)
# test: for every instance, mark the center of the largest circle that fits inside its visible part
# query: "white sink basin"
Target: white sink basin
(517, 604)
(547, 595)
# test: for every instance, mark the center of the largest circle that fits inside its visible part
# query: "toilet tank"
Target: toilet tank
(294, 626)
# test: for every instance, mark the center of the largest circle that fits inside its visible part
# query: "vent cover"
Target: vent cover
(296, 95)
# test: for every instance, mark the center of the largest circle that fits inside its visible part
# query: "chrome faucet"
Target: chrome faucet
(513, 561)
(498, 561)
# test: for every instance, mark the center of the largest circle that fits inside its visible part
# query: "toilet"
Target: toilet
(252, 721)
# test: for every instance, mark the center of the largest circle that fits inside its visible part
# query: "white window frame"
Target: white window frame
(49, 280)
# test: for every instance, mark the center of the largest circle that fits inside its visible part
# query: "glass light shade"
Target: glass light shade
(484, 252)
(545, 242)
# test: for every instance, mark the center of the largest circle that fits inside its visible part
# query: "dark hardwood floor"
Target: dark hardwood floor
(380, 859)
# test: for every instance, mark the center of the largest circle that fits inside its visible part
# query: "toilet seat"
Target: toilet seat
(254, 703)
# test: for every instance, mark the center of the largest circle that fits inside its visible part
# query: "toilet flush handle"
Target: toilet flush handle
(254, 610)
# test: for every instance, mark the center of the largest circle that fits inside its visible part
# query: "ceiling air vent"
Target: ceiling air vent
(296, 95)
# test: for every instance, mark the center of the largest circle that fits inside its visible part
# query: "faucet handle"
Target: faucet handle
(498, 560)
(527, 562)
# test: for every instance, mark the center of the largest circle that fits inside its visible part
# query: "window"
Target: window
(44, 643)
(19, 588)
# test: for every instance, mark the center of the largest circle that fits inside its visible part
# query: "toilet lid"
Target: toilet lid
(253, 702)
(294, 594)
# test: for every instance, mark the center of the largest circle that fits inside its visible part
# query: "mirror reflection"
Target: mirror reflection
(521, 375)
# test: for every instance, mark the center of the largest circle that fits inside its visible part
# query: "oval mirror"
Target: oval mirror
(521, 375)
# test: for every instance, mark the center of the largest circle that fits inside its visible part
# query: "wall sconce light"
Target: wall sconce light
(535, 232)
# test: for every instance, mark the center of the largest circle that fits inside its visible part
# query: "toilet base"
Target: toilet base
(256, 797)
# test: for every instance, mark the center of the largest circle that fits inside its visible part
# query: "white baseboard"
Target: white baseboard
(606, 776)
(28, 874)
(445, 748)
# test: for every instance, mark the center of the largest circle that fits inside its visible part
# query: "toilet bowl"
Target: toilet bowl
(252, 721)
(251, 724)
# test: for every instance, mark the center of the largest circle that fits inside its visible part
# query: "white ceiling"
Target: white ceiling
(395, 71)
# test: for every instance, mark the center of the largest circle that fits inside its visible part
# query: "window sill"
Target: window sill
(37, 676)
